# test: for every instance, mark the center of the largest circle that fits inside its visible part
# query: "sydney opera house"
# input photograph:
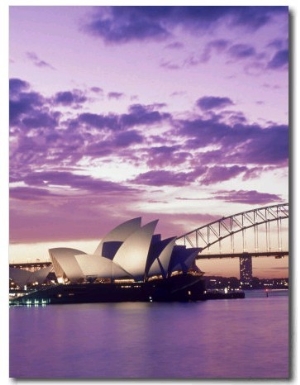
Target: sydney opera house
(131, 263)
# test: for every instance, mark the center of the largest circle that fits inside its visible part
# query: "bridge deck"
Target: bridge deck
(276, 254)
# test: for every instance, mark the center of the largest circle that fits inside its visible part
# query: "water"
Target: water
(215, 339)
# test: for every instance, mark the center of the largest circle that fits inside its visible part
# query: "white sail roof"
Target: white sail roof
(129, 250)
(95, 266)
(64, 263)
(132, 255)
(119, 234)
(161, 263)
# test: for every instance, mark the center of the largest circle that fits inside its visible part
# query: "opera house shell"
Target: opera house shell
(131, 263)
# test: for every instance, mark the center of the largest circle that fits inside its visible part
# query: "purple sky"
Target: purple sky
(171, 113)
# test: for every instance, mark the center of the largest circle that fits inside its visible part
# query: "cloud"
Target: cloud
(247, 197)
(237, 144)
(16, 86)
(163, 178)
(26, 193)
(123, 24)
(265, 146)
(97, 90)
(115, 95)
(39, 119)
(42, 136)
(96, 120)
(138, 23)
(214, 46)
(125, 139)
(200, 150)
(142, 115)
(255, 62)
(22, 101)
(279, 60)
(169, 65)
(175, 45)
(38, 62)
(85, 216)
(137, 115)
(164, 156)
(67, 180)
(67, 98)
(213, 102)
(241, 51)
(60, 205)
(217, 174)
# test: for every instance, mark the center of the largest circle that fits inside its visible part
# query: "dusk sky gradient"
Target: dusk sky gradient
(173, 113)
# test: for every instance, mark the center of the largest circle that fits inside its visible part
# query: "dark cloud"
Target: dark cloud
(247, 197)
(22, 101)
(142, 115)
(138, 115)
(221, 46)
(211, 102)
(278, 44)
(96, 120)
(199, 132)
(71, 181)
(164, 178)
(219, 174)
(264, 146)
(256, 62)
(240, 144)
(125, 139)
(16, 86)
(218, 46)
(164, 156)
(203, 150)
(241, 51)
(279, 60)
(39, 119)
(30, 193)
(67, 98)
(234, 118)
(41, 137)
(125, 24)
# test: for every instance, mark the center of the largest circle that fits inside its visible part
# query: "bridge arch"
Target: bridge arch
(212, 233)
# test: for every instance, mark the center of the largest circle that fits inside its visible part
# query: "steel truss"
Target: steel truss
(214, 232)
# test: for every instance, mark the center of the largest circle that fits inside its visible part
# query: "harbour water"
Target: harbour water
(215, 339)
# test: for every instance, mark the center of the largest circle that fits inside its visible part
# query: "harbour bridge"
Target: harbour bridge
(260, 232)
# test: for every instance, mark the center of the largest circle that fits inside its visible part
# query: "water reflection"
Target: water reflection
(242, 338)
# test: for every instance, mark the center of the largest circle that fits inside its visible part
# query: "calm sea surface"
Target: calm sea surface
(215, 339)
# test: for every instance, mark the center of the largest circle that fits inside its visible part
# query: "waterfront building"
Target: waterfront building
(130, 263)
(245, 269)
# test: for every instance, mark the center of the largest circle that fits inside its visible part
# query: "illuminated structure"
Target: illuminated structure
(22, 277)
(245, 269)
(130, 251)
(130, 263)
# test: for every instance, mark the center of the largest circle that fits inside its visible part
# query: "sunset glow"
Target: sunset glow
(172, 113)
